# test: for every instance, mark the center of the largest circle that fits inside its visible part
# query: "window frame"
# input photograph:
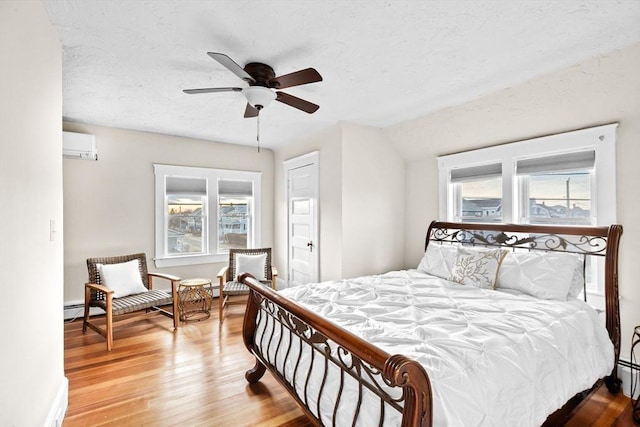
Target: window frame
(600, 139)
(213, 176)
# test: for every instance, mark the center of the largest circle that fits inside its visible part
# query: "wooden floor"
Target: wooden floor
(195, 377)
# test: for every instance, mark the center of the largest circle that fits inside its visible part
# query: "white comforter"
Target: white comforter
(493, 358)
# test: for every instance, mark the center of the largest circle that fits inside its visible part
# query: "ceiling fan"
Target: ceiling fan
(262, 81)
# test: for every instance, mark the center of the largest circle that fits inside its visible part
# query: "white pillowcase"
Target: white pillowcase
(477, 267)
(123, 278)
(252, 264)
(438, 260)
(547, 275)
(577, 283)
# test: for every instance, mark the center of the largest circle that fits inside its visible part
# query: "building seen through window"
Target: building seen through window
(233, 224)
(185, 224)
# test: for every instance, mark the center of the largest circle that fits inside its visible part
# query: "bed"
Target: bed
(448, 343)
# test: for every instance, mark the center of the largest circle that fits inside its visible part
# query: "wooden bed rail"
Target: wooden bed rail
(374, 369)
(589, 241)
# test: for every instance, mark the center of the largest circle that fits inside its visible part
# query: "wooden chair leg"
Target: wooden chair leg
(221, 299)
(174, 295)
(85, 319)
(109, 330)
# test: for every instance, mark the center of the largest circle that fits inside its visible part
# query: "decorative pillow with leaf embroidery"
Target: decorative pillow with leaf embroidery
(477, 267)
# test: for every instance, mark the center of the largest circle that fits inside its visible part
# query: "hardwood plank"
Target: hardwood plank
(602, 409)
(195, 376)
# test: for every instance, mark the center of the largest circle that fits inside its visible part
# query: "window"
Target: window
(567, 178)
(202, 212)
(186, 205)
(234, 214)
(477, 193)
(557, 189)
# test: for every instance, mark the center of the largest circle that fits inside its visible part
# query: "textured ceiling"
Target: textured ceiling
(126, 62)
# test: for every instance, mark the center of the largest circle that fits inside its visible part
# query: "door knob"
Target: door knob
(310, 246)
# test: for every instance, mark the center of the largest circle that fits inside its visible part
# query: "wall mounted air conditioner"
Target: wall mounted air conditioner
(79, 146)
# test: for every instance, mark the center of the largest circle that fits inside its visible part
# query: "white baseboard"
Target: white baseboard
(59, 407)
(624, 373)
(75, 310)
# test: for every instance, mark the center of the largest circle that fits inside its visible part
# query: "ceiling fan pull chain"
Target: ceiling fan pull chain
(258, 133)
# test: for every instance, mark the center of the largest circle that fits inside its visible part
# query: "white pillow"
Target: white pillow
(577, 282)
(546, 275)
(123, 278)
(252, 264)
(438, 260)
(477, 267)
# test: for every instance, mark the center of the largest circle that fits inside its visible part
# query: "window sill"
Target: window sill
(595, 299)
(189, 260)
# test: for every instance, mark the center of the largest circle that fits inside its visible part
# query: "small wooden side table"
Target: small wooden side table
(194, 299)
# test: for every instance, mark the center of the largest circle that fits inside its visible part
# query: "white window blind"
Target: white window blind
(186, 186)
(580, 160)
(235, 188)
(475, 173)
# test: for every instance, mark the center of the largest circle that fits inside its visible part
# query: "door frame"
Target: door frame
(309, 159)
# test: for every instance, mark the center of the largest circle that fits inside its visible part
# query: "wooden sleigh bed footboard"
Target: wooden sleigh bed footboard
(341, 379)
(297, 345)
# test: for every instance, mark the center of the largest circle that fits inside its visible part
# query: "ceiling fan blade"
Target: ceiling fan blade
(296, 102)
(251, 111)
(212, 90)
(232, 66)
(302, 77)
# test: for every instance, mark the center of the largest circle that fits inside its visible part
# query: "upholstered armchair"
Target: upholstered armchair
(254, 261)
(122, 284)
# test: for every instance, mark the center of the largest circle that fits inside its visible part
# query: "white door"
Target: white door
(302, 216)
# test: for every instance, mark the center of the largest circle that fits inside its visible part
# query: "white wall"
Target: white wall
(109, 204)
(33, 389)
(599, 91)
(361, 201)
(372, 203)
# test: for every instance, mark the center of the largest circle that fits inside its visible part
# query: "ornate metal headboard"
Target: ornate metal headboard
(601, 242)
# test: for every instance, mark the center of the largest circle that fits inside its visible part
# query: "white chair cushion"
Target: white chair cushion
(123, 278)
(252, 264)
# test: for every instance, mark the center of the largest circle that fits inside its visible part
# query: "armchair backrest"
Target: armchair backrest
(256, 251)
(94, 277)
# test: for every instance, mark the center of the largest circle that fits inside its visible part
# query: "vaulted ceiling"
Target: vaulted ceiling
(383, 62)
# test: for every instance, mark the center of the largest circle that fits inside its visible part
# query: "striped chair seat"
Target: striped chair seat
(141, 301)
(236, 288)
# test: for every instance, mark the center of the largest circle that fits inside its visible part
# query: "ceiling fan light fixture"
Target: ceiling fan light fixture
(259, 96)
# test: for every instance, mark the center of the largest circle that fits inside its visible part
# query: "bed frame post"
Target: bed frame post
(254, 374)
(612, 296)
(412, 377)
